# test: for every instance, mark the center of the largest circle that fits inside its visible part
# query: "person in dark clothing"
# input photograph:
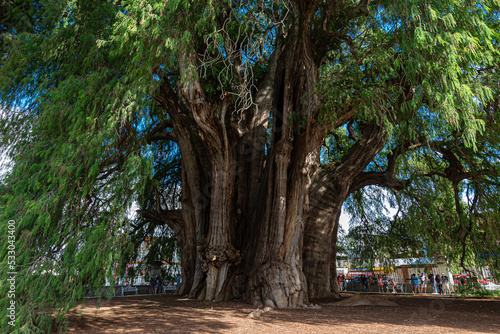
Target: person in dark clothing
(343, 283)
(370, 283)
(439, 284)
(158, 284)
(362, 280)
(432, 281)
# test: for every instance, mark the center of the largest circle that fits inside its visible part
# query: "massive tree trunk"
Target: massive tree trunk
(254, 202)
(248, 215)
(331, 186)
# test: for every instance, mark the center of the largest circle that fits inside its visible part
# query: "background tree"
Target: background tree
(103, 98)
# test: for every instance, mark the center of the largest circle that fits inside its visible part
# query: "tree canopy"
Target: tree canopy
(243, 127)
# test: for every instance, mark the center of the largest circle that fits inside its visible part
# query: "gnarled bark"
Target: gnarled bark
(331, 186)
(245, 210)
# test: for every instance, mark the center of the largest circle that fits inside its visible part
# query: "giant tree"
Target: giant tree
(278, 110)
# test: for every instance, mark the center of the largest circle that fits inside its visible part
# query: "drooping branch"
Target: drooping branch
(455, 172)
(123, 145)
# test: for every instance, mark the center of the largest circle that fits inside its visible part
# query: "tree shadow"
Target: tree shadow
(154, 314)
(174, 314)
(452, 314)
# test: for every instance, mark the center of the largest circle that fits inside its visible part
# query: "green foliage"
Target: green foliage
(77, 161)
(430, 214)
(373, 234)
(457, 219)
(475, 290)
(410, 56)
(427, 72)
(162, 189)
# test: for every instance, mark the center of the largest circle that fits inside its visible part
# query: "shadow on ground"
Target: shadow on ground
(172, 314)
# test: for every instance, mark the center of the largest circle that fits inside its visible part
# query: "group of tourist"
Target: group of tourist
(440, 283)
(367, 282)
(155, 285)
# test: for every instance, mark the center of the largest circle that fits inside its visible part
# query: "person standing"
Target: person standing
(423, 283)
(370, 283)
(158, 284)
(439, 284)
(342, 283)
(380, 284)
(393, 283)
(432, 281)
(161, 285)
(362, 280)
(414, 282)
(461, 282)
(152, 285)
(446, 283)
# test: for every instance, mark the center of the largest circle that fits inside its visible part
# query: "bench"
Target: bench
(129, 288)
(169, 288)
(398, 286)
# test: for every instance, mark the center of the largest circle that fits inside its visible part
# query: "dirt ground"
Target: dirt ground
(162, 314)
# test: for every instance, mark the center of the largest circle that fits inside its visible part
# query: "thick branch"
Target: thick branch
(382, 179)
(456, 171)
(158, 132)
(350, 129)
(172, 218)
(161, 136)
(360, 155)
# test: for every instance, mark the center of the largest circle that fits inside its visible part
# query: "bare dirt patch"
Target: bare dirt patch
(365, 300)
(163, 314)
